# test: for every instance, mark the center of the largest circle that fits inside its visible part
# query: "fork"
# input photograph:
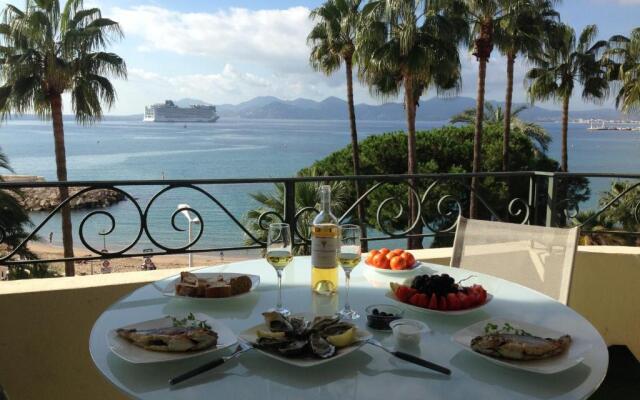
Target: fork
(241, 348)
(411, 358)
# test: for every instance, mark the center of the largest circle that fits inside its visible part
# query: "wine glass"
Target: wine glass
(350, 254)
(279, 255)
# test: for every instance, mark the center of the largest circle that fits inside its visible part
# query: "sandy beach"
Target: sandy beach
(46, 250)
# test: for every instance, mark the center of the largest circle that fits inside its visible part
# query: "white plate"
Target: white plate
(250, 336)
(137, 355)
(423, 310)
(573, 356)
(170, 289)
(394, 271)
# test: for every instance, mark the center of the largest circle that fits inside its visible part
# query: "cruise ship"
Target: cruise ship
(169, 112)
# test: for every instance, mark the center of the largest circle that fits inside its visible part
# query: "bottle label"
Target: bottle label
(324, 251)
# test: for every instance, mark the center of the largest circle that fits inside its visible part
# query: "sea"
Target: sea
(122, 149)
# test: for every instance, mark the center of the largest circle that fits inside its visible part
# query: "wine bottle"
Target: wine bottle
(325, 247)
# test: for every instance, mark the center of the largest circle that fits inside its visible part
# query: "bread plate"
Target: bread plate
(169, 289)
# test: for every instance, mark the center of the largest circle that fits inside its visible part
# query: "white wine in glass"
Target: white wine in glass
(349, 258)
(279, 255)
(279, 258)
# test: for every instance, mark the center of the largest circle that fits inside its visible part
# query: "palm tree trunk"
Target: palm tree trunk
(477, 139)
(564, 166)
(355, 151)
(410, 107)
(61, 170)
(507, 112)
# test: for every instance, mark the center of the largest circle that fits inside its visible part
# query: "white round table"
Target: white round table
(368, 373)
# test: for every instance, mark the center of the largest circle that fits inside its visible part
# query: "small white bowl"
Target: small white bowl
(408, 332)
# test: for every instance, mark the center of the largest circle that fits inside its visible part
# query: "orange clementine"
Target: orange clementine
(398, 263)
(384, 251)
(408, 258)
(379, 260)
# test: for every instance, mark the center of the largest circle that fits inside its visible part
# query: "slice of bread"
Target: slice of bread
(192, 286)
(218, 289)
(188, 277)
(186, 289)
(241, 284)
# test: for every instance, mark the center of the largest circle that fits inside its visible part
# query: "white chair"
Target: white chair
(538, 257)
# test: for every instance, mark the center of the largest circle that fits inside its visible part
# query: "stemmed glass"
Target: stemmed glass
(279, 255)
(350, 254)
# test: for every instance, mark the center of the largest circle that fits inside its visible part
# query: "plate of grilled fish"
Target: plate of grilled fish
(305, 340)
(523, 346)
(169, 339)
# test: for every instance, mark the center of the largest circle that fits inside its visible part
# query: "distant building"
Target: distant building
(169, 112)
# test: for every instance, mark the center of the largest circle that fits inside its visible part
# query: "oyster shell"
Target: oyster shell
(294, 348)
(299, 325)
(277, 322)
(336, 329)
(320, 347)
(273, 342)
(322, 322)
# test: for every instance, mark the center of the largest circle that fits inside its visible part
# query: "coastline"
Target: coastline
(130, 264)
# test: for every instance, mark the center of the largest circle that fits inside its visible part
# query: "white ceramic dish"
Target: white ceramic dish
(573, 356)
(417, 265)
(137, 355)
(250, 336)
(169, 289)
(423, 310)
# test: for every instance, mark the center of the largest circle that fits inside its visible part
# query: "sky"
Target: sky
(229, 51)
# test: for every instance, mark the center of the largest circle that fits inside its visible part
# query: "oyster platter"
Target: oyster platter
(304, 340)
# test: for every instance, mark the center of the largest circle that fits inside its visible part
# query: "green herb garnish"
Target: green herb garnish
(190, 321)
(490, 328)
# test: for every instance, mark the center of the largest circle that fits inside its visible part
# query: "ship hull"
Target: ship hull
(169, 112)
(180, 119)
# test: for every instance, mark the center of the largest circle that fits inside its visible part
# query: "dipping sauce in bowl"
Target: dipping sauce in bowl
(379, 316)
(408, 332)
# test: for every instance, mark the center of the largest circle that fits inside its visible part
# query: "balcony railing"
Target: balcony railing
(531, 197)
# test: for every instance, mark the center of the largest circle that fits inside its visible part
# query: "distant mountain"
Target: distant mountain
(333, 108)
(187, 102)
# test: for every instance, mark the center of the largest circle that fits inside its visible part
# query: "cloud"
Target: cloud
(274, 37)
(622, 2)
(230, 85)
(263, 52)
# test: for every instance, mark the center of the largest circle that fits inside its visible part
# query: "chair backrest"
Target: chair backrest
(538, 257)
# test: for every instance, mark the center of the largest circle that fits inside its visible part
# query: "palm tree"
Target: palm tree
(564, 62)
(495, 115)
(332, 42)
(623, 61)
(411, 45)
(45, 52)
(306, 196)
(624, 210)
(600, 230)
(14, 220)
(483, 15)
(520, 32)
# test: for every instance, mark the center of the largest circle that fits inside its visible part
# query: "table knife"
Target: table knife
(411, 358)
(242, 348)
